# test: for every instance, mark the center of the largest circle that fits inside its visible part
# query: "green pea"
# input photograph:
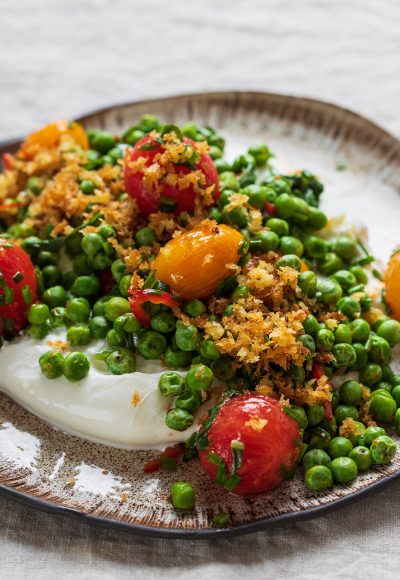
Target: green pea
(51, 275)
(329, 291)
(351, 393)
(115, 307)
(101, 262)
(345, 247)
(316, 247)
(339, 447)
(183, 495)
(298, 414)
(389, 330)
(199, 377)
(318, 478)
(115, 338)
(82, 265)
(46, 258)
(315, 415)
(257, 195)
(361, 356)
(124, 285)
(261, 154)
(396, 394)
(227, 181)
(388, 375)
(101, 141)
(177, 359)
(86, 286)
(383, 407)
(330, 264)
(345, 278)
(308, 342)
(38, 331)
(52, 364)
(311, 325)
(240, 293)
(76, 366)
(87, 187)
(382, 386)
(343, 334)
(163, 322)
(189, 401)
(106, 231)
(349, 307)
(285, 206)
(344, 411)
(145, 237)
(316, 219)
(223, 368)
(397, 421)
(99, 306)
(209, 350)
(291, 245)
(298, 374)
(315, 457)
(194, 308)
(362, 457)
(380, 350)
(55, 296)
(78, 309)
(179, 419)
(171, 384)
(92, 243)
(57, 316)
(35, 184)
(289, 261)
(372, 433)
(325, 340)
(236, 216)
(279, 226)
(38, 313)
(118, 269)
(344, 470)
(221, 165)
(335, 400)
(128, 323)
(307, 282)
(187, 336)
(357, 432)
(319, 438)
(345, 355)
(360, 274)
(383, 449)
(264, 241)
(132, 136)
(360, 330)
(151, 344)
(99, 327)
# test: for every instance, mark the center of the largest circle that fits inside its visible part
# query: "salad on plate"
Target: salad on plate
(155, 295)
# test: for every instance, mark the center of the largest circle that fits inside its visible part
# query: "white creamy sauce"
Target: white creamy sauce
(99, 407)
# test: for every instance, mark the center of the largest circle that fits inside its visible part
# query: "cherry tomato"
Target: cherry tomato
(17, 273)
(148, 197)
(269, 439)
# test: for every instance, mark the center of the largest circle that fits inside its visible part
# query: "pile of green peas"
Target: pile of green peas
(331, 277)
(343, 459)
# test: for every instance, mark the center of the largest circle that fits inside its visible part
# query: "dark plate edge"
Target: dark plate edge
(174, 533)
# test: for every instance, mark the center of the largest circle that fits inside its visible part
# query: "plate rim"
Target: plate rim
(263, 523)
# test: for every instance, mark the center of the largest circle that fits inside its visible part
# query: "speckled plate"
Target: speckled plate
(64, 474)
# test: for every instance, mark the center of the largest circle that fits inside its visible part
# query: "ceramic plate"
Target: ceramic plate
(61, 473)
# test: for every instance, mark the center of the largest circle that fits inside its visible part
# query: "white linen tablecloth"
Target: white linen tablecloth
(61, 58)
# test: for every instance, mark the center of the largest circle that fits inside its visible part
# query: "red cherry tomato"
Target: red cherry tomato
(148, 198)
(270, 442)
(17, 284)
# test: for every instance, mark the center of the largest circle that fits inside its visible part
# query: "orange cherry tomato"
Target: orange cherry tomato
(50, 135)
(193, 263)
(392, 282)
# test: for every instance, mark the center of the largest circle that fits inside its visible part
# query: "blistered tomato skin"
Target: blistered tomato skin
(392, 283)
(193, 263)
(148, 198)
(271, 442)
(14, 263)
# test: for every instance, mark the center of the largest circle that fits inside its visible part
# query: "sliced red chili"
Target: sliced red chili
(152, 466)
(328, 412)
(317, 371)
(271, 208)
(7, 206)
(8, 160)
(138, 299)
